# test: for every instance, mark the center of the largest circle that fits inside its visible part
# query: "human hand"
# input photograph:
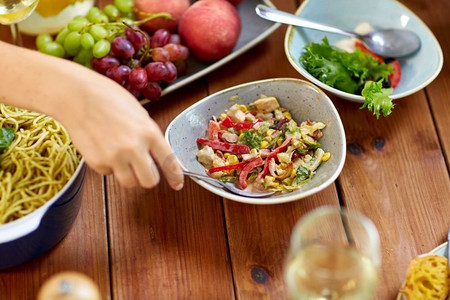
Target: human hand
(116, 135)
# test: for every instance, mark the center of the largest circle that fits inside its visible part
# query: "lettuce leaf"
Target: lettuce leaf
(349, 72)
(377, 98)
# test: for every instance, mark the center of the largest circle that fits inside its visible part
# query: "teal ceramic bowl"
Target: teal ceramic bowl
(418, 69)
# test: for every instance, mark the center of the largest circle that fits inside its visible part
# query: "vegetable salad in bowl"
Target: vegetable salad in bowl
(260, 146)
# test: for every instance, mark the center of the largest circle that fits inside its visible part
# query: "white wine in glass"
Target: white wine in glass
(334, 254)
(14, 11)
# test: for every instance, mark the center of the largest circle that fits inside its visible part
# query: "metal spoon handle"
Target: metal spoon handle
(204, 177)
(279, 16)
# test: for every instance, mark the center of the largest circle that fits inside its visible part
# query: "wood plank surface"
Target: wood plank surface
(435, 15)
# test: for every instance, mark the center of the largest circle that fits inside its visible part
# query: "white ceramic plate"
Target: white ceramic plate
(254, 30)
(440, 250)
(418, 69)
(304, 101)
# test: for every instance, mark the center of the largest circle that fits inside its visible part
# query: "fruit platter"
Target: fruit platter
(152, 48)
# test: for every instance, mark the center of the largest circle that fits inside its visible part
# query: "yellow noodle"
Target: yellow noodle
(36, 166)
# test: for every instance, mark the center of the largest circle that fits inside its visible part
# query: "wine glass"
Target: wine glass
(14, 11)
(334, 254)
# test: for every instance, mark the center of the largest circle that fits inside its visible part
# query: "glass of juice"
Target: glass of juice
(334, 253)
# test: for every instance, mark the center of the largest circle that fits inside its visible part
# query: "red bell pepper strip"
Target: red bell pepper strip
(273, 154)
(226, 147)
(360, 45)
(250, 165)
(227, 167)
(229, 123)
(397, 75)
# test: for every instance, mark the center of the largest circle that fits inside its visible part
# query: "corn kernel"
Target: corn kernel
(225, 155)
(253, 151)
(293, 173)
(280, 141)
(326, 156)
(243, 108)
(264, 144)
(240, 136)
(223, 115)
(232, 159)
(269, 132)
(287, 115)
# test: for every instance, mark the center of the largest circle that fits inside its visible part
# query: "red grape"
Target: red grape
(101, 65)
(175, 39)
(152, 91)
(160, 54)
(138, 78)
(135, 93)
(122, 48)
(136, 38)
(176, 51)
(160, 38)
(156, 71)
(119, 74)
(172, 74)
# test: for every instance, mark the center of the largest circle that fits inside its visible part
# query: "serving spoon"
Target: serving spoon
(229, 186)
(384, 42)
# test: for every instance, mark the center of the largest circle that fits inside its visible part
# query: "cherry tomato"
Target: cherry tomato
(397, 75)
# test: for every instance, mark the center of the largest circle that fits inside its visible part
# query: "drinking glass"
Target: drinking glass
(14, 11)
(334, 253)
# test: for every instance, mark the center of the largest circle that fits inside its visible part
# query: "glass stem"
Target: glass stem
(15, 33)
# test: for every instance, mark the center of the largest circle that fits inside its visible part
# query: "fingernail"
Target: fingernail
(179, 187)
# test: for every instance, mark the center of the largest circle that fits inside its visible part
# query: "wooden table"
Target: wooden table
(192, 244)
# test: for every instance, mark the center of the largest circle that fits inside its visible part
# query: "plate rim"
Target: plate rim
(356, 98)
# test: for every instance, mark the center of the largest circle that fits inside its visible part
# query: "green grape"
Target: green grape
(129, 21)
(98, 32)
(79, 17)
(93, 13)
(129, 15)
(72, 43)
(62, 34)
(52, 48)
(101, 18)
(124, 6)
(87, 40)
(112, 12)
(76, 25)
(101, 48)
(83, 57)
(42, 39)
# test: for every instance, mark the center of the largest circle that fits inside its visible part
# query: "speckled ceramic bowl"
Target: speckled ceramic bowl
(304, 100)
(418, 69)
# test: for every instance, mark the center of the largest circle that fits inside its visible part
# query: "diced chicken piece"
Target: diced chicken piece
(266, 105)
(208, 158)
(236, 113)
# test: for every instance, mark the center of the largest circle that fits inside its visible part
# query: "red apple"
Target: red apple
(174, 7)
(210, 29)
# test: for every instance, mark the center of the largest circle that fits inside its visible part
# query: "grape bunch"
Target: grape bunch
(111, 42)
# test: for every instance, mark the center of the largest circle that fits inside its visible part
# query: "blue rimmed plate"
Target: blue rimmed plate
(418, 69)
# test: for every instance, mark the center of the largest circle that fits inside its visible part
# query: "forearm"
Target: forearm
(43, 83)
